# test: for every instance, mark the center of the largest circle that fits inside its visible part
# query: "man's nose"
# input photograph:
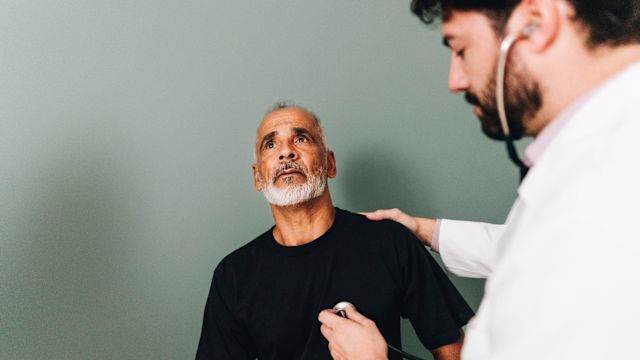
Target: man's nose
(458, 79)
(288, 154)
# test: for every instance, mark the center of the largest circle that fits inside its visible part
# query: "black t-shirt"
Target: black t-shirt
(265, 298)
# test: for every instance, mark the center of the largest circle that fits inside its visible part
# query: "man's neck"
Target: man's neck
(300, 224)
(563, 87)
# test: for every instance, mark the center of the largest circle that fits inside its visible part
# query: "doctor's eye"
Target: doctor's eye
(269, 145)
(301, 139)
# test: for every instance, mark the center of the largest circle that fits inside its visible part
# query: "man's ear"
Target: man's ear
(332, 171)
(543, 17)
(257, 184)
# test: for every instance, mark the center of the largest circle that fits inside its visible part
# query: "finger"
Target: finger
(377, 215)
(337, 352)
(334, 353)
(369, 214)
(354, 315)
(329, 318)
(324, 316)
(327, 332)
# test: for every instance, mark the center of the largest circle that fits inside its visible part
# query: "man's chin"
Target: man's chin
(493, 130)
(499, 136)
(287, 180)
(494, 134)
(280, 198)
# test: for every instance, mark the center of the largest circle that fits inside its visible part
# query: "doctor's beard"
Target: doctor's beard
(523, 100)
(293, 194)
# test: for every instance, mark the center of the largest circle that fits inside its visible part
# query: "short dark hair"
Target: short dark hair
(608, 22)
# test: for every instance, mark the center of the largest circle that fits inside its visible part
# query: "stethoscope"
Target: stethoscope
(505, 47)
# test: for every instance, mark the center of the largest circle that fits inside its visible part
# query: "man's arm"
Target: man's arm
(469, 248)
(223, 336)
(450, 351)
(429, 300)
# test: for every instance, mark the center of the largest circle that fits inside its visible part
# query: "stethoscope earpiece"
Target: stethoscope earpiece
(529, 29)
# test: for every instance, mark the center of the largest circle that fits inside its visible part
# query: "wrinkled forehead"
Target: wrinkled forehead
(284, 120)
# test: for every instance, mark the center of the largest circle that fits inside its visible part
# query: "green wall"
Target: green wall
(126, 134)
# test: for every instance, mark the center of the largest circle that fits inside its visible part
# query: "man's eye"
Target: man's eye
(301, 139)
(269, 145)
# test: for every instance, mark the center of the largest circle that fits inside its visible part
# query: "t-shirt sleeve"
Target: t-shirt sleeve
(430, 301)
(223, 336)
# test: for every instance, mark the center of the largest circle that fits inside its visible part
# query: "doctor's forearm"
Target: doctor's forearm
(425, 230)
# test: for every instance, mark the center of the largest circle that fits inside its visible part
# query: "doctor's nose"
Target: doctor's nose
(458, 80)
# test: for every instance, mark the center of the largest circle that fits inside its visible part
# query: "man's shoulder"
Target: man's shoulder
(376, 228)
(246, 252)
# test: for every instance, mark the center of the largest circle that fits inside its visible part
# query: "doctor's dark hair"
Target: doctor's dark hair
(608, 22)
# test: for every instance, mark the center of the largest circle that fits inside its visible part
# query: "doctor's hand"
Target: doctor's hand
(422, 228)
(353, 338)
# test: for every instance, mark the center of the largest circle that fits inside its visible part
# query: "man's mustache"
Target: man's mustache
(471, 99)
(286, 166)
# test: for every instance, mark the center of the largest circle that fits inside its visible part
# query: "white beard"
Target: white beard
(297, 194)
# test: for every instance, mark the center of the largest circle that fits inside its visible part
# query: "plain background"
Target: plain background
(126, 139)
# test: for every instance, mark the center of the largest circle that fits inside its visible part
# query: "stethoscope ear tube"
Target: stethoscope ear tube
(513, 155)
(404, 354)
(505, 47)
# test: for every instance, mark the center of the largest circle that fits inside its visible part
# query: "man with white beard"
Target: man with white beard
(265, 296)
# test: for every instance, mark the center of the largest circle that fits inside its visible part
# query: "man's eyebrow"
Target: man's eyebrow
(270, 136)
(302, 131)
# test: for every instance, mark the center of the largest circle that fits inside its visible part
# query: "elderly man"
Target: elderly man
(265, 296)
(561, 270)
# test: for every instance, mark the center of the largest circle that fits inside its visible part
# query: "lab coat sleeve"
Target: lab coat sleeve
(469, 248)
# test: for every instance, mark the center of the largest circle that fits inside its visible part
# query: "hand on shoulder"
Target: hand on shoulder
(422, 228)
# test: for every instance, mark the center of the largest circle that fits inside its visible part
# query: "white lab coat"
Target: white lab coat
(564, 271)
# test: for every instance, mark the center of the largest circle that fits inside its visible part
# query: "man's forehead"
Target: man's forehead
(463, 25)
(287, 118)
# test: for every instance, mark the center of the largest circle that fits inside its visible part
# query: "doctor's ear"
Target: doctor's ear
(539, 21)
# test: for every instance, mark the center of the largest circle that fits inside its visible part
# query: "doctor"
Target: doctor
(563, 271)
